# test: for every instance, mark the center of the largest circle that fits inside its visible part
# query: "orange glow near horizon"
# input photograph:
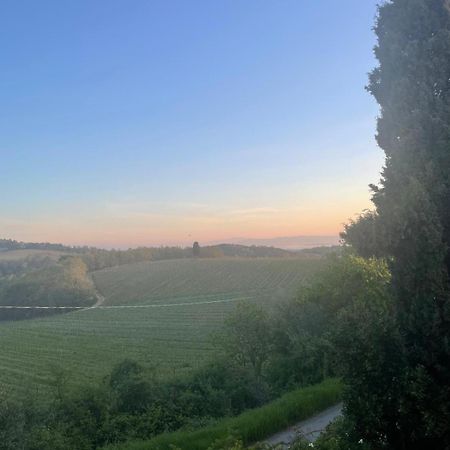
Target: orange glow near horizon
(128, 229)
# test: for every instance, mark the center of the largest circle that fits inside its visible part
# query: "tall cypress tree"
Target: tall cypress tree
(412, 86)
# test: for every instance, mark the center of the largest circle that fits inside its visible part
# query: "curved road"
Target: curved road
(309, 428)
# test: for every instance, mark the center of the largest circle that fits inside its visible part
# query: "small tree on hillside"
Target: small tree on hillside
(196, 249)
(247, 337)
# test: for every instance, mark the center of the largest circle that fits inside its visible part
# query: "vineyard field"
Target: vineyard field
(188, 280)
(161, 314)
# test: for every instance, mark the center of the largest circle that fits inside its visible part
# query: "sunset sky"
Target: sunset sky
(144, 122)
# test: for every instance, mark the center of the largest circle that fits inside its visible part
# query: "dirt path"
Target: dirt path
(309, 429)
(100, 298)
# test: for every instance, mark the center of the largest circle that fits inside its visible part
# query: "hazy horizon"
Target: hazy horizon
(283, 242)
(157, 123)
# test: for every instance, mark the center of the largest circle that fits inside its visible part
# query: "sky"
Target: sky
(150, 122)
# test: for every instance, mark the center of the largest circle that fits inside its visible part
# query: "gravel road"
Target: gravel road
(309, 429)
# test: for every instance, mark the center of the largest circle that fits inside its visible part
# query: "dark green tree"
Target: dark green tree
(132, 391)
(412, 216)
(196, 249)
(364, 235)
(247, 338)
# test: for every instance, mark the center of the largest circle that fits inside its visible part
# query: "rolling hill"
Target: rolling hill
(159, 313)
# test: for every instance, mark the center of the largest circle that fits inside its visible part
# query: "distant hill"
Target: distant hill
(321, 251)
(10, 244)
(244, 251)
(96, 258)
(22, 254)
(285, 242)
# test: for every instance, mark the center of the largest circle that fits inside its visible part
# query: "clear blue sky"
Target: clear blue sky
(142, 122)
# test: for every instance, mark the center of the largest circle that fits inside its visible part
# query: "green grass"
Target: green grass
(253, 425)
(173, 339)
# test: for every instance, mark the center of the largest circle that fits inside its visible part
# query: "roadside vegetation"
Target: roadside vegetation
(250, 426)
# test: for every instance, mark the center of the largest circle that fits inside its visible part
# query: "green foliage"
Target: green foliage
(251, 425)
(367, 345)
(10, 244)
(97, 259)
(15, 266)
(364, 235)
(247, 337)
(129, 405)
(346, 281)
(411, 224)
(60, 284)
(229, 389)
(12, 422)
(339, 435)
(344, 323)
(132, 392)
(304, 347)
(336, 326)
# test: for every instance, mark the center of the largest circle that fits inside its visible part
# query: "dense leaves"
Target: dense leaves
(411, 223)
(129, 404)
(65, 283)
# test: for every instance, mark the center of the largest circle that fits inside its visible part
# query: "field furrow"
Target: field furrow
(179, 305)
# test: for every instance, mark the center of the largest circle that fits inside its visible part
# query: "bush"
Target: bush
(252, 425)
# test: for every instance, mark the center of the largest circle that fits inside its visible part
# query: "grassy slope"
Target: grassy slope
(253, 425)
(204, 279)
(173, 339)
